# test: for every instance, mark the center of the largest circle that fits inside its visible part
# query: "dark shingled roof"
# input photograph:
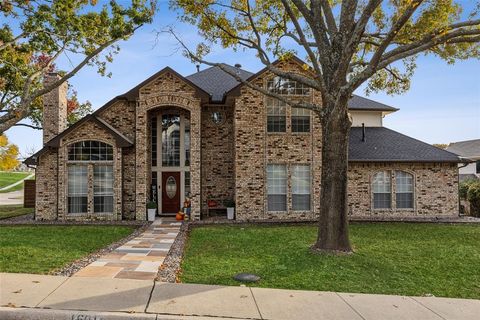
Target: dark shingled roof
(466, 149)
(384, 145)
(361, 103)
(217, 82)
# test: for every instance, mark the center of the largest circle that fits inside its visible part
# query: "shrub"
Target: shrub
(473, 196)
(464, 186)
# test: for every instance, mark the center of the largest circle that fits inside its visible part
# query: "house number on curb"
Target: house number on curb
(85, 317)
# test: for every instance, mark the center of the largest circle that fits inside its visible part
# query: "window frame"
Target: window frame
(397, 179)
(308, 117)
(90, 165)
(292, 187)
(282, 186)
(387, 173)
(71, 188)
(274, 109)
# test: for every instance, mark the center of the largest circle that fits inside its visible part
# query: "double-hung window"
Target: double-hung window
(77, 189)
(404, 190)
(102, 189)
(300, 120)
(276, 115)
(382, 191)
(301, 187)
(277, 187)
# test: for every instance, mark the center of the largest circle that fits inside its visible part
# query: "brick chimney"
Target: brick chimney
(54, 108)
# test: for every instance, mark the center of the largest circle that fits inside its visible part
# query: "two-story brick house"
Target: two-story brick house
(206, 136)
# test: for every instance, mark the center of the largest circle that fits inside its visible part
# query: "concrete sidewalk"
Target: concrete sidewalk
(25, 296)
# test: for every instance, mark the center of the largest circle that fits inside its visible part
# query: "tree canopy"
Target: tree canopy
(36, 34)
(345, 43)
(8, 154)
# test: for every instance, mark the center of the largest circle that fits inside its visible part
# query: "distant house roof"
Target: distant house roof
(466, 149)
(384, 145)
(217, 83)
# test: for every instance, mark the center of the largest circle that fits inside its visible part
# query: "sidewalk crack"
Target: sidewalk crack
(348, 304)
(256, 304)
(150, 297)
(413, 298)
(48, 295)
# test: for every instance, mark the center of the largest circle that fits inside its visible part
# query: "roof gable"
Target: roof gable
(465, 149)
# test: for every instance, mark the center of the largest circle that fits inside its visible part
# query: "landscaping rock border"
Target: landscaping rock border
(74, 266)
(170, 268)
(28, 219)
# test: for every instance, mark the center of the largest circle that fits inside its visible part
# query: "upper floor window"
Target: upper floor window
(300, 120)
(381, 190)
(90, 151)
(276, 115)
(287, 87)
(404, 189)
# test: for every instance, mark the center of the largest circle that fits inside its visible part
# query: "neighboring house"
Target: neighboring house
(468, 150)
(208, 137)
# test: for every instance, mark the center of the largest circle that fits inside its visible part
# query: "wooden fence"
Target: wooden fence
(29, 194)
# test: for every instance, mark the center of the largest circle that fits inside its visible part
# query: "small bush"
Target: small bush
(464, 186)
(473, 196)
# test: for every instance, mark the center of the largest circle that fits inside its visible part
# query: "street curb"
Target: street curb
(7, 313)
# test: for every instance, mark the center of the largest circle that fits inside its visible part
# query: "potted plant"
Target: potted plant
(152, 210)
(230, 204)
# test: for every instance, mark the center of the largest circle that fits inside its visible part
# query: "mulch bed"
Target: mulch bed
(73, 267)
(29, 219)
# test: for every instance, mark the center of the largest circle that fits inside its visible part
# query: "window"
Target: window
(277, 187)
(301, 187)
(381, 190)
(287, 87)
(90, 151)
(276, 115)
(103, 189)
(170, 140)
(187, 184)
(187, 142)
(404, 190)
(94, 156)
(300, 120)
(154, 141)
(77, 189)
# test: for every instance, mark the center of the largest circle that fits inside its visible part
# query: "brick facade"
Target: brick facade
(228, 160)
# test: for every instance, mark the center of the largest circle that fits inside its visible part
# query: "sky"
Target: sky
(442, 105)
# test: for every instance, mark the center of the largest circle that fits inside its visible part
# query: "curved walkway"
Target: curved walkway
(139, 258)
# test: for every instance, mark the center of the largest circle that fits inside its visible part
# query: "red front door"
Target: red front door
(170, 192)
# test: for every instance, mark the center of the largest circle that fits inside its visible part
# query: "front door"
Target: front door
(170, 192)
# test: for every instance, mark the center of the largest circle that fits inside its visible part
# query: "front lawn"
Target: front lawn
(9, 211)
(8, 178)
(390, 258)
(42, 249)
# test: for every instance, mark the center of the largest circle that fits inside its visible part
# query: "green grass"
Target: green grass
(42, 249)
(390, 258)
(7, 178)
(8, 211)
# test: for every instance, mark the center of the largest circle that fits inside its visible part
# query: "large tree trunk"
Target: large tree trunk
(333, 223)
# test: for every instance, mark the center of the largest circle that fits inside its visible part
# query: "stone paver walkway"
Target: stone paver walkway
(139, 258)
